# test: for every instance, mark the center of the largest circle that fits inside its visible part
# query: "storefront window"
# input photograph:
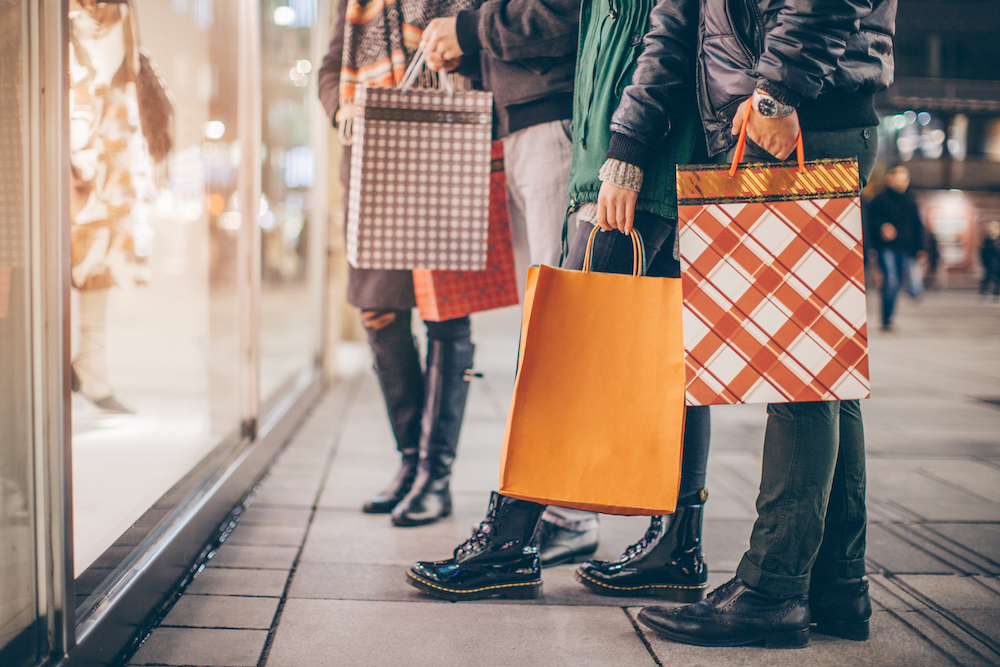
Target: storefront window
(155, 316)
(289, 205)
(18, 604)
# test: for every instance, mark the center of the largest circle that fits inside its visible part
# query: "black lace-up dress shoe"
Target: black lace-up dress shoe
(499, 560)
(734, 615)
(667, 562)
(840, 607)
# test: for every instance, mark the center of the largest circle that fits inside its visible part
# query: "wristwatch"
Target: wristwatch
(768, 107)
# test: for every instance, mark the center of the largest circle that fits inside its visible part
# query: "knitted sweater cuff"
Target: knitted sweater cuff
(780, 92)
(622, 174)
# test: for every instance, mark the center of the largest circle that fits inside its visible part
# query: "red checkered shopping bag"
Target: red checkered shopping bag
(445, 295)
(773, 280)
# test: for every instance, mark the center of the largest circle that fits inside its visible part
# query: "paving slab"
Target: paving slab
(222, 611)
(254, 556)
(445, 635)
(245, 534)
(205, 648)
(225, 581)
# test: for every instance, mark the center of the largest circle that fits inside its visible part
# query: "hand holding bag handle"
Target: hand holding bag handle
(638, 253)
(742, 142)
(416, 67)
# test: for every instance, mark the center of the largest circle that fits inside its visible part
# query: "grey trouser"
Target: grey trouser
(537, 160)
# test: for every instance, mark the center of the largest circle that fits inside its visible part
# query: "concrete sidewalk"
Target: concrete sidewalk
(306, 579)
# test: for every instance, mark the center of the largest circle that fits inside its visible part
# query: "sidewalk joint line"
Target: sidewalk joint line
(642, 637)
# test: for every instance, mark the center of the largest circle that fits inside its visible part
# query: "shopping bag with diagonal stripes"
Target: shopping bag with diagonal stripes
(773, 280)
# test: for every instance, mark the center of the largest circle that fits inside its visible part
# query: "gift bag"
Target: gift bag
(445, 295)
(420, 177)
(773, 277)
(597, 416)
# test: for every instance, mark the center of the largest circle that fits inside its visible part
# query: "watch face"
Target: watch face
(766, 107)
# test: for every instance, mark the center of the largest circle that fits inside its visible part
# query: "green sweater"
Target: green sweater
(611, 33)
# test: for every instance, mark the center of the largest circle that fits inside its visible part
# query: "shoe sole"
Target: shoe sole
(368, 509)
(529, 590)
(787, 639)
(578, 557)
(410, 523)
(669, 592)
(856, 631)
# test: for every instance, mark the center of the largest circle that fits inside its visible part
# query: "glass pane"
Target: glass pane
(18, 605)
(155, 312)
(289, 330)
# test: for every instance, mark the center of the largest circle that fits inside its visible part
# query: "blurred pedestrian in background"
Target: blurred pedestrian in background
(989, 254)
(426, 407)
(896, 234)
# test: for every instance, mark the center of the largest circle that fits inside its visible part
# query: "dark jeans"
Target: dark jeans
(811, 517)
(895, 267)
(613, 254)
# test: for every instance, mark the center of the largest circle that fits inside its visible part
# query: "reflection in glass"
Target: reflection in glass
(289, 316)
(155, 328)
(18, 607)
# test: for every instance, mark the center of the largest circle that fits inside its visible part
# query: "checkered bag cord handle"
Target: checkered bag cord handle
(416, 67)
(742, 143)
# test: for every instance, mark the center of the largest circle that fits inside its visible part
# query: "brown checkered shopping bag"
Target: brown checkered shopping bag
(773, 281)
(445, 295)
(420, 177)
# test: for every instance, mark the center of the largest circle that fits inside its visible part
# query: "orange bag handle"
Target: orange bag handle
(638, 252)
(742, 142)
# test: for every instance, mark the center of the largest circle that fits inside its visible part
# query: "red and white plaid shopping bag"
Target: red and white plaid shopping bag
(445, 295)
(773, 279)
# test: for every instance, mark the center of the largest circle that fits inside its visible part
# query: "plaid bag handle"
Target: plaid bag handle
(741, 145)
(416, 67)
(638, 253)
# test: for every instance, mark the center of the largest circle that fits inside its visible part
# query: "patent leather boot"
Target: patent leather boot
(667, 562)
(448, 364)
(397, 366)
(840, 607)
(499, 560)
(734, 615)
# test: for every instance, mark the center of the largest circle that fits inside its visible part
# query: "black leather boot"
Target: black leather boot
(447, 388)
(558, 545)
(384, 501)
(667, 562)
(499, 560)
(840, 607)
(397, 365)
(734, 615)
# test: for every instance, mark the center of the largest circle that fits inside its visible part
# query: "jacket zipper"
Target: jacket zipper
(736, 33)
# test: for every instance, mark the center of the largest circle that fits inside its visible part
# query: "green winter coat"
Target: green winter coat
(611, 33)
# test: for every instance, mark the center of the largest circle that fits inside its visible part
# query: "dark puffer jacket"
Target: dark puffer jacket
(827, 57)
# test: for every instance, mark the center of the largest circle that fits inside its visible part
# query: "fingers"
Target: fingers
(738, 118)
(602, 215)
(629, 218)
(620, 215)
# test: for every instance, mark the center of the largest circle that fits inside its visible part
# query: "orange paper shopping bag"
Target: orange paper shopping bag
(597, 416)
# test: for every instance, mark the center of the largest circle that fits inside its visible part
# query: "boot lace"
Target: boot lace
(652, 533)
(480, 537)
